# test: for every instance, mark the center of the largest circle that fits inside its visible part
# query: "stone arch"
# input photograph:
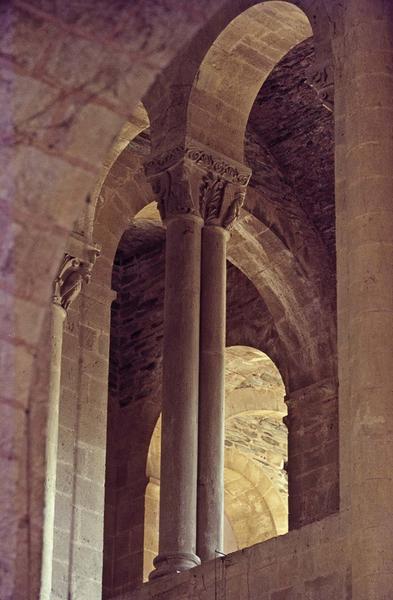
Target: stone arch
(47, 207)
(122, 195)
(255, 445)
(246, 395)
(256, 507)
(266, 253)
(289, 294)
(234, 69)
(251, 234)
(184, 96)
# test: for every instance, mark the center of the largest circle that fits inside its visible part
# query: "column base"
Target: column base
(169, 564)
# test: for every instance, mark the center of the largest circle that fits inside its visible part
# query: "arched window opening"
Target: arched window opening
(255, 479)
(266, 246)
(134, 395)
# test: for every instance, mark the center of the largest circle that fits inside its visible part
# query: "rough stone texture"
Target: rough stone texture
(265, 439)
(307, 563)
(70, 78)
(299, 132)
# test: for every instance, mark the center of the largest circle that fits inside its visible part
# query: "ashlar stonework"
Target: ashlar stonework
(196, 300)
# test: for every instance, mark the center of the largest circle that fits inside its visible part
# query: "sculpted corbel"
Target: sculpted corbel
(73, 272)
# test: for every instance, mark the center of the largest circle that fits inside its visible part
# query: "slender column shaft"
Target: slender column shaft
(364, 93)
(57, 316)
(177, 535)
(210, 512)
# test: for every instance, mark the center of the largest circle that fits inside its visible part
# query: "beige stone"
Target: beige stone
(91, 92)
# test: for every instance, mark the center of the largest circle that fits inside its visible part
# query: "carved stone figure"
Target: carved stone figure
(72, 273)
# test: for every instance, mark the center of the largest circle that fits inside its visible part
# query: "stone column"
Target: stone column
(210, 515)
(177, 525)
(221, 197)
(364, 192)
(57, 316)
(67, 286)
(193, 188)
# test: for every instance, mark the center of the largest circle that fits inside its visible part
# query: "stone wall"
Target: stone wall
(313, 447)
(134, 406)
(264, 439)
(310, 563)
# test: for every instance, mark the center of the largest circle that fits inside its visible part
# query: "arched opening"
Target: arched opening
(234, 69)
(255, 480)
(71, 77)
(134, 395)
(265, 248)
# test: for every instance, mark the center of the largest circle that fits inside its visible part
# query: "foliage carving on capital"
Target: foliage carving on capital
(219, 202)
(233, 211)
(219, 165)
(73, 272)
(196, 181)
(172, 190)
(211, 197)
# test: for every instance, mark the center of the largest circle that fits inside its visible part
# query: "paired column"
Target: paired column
(180, 395)
(220, 202)
(210, 490)
(199, 198)
(364, 125)
(67, 286)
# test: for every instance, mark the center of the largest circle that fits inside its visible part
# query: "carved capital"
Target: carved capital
(320, 76)
(220, 201)
(73, 272)
(194, 180)
(172, 189)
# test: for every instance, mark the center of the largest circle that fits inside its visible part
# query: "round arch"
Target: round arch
(235, 68)
(187, 95)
